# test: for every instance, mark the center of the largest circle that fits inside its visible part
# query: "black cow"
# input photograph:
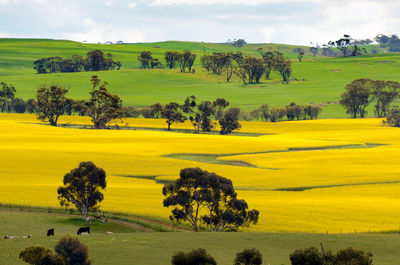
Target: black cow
(83, 230)
(50, 232)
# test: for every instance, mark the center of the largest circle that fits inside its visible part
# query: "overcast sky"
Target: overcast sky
(277, 21)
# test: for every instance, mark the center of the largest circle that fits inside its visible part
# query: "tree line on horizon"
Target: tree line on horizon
(95, 60)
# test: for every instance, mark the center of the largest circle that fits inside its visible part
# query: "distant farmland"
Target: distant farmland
(324, 77)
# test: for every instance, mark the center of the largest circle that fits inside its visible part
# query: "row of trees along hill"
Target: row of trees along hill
(95, 61)
(252, 256)
(360, 93)
(184, 60)
(291, 112)
(202, 115)
(249, 69)
(103, 107)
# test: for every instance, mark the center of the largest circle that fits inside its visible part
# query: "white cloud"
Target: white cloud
(230, 2)
(132, 5)
(110, 2)
(106, 33)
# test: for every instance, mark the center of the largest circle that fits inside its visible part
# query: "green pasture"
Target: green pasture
(131, 247)
(320, 79)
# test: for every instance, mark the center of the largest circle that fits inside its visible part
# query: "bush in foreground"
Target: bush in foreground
(348, 256)
(250, 256)
(194, 257)
(72, 251)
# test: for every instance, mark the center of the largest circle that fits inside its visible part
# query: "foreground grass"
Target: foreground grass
(126, 246)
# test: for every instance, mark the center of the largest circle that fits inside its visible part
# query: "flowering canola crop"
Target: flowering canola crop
(308, 176)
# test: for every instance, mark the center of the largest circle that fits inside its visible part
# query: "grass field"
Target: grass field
(130, 247)
(324, 77)
(297, 173)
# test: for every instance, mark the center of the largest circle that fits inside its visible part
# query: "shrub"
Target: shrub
(393, 118)
(194, 257)
(248, 257)
(245, 115)
(18, 105)
(131, 112)
(312, 112)
(40, 256)
(73, 251)
(350, 256)
(277, 114)
(308, 256)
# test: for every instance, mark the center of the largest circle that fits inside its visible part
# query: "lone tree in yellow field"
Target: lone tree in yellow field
(200, 197)
(102, 107)
(82, 188)
(51, 103)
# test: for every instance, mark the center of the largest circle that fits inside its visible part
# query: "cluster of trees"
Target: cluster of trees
(8, 101)
(184, 60)
(249, 69)
(291, 112)
(96, 60)
(201, 114)
(360, 93)
(346, 45)
(252, 256)
(102, 106)
(205, 199)
(68, 251)
(391, 41)
(238, 43)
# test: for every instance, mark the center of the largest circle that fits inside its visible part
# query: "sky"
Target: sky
(256, 21)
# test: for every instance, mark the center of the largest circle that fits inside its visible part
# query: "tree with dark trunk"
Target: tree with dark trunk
(50, 103)
(82, 188)
(171, 59)
(102, 107)
(220, 104)
(283, 66)
(384, 92)
(230, 121)
(356, 98)
(7, 94)
(171, 112)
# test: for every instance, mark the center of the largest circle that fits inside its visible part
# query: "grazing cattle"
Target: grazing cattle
(10, 237)
(85, 229)
(28, 236)
(50, 232)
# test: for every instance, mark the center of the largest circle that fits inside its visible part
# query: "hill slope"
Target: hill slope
(324, 77)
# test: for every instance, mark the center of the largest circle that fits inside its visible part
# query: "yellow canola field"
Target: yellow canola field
(340, 189)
